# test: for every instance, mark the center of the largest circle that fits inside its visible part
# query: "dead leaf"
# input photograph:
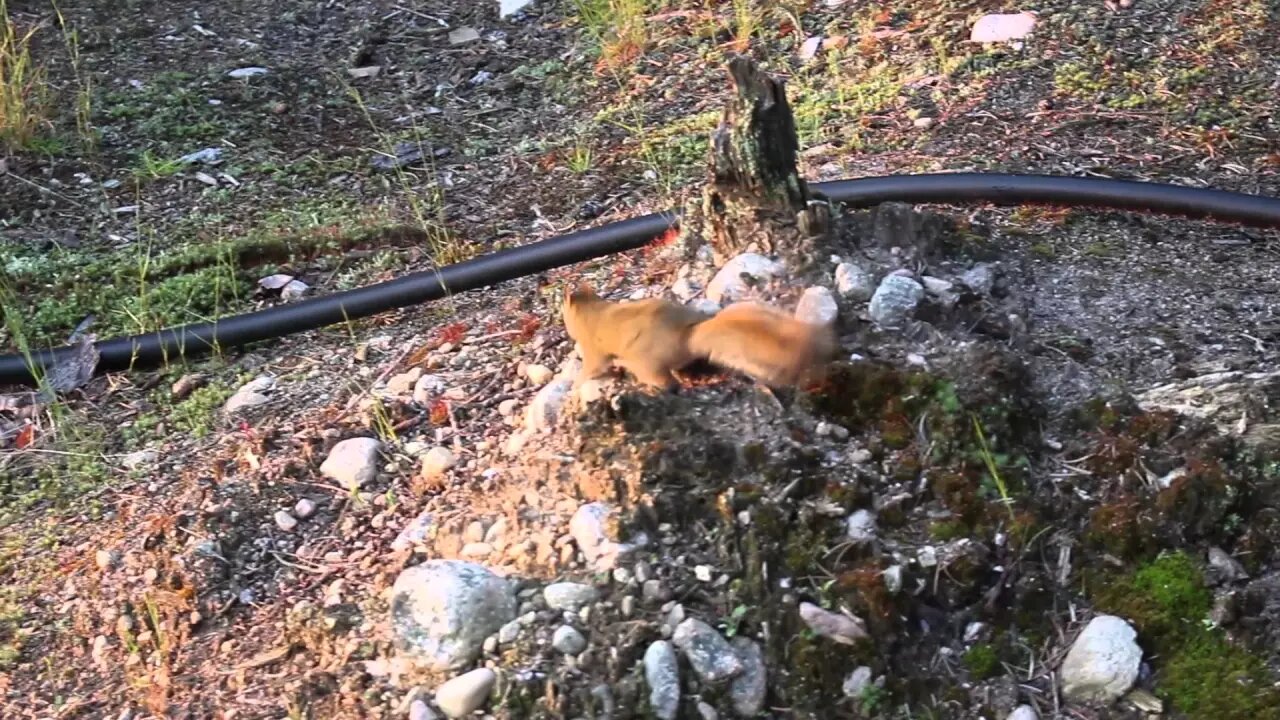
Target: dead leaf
(25, 437)
(76, 369)
(262, 659)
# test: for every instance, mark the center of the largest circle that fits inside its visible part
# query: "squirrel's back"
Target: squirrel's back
(764, 342)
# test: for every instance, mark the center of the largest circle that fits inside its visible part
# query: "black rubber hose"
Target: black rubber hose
(950, 188)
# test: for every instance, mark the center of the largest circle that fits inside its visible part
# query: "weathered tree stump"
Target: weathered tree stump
(754, 198)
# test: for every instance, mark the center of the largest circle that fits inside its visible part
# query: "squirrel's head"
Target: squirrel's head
(576, 298)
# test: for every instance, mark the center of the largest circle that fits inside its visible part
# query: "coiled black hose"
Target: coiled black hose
(138, 351)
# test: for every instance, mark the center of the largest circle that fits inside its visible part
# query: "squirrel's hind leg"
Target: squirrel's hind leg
(659, 377)
(594, 364)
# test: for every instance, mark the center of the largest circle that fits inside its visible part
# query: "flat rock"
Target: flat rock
(403, 383)
(855, 686)
(569, 595)
(243, 400)
(442, 611)
(466, 693)
(247, 72)
(709, 654)
(1002, 27)
(833, 626)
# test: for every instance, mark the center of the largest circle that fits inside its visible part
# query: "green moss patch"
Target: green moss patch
(1199, 670)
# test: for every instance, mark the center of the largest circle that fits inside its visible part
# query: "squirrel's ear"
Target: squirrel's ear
(578, 293)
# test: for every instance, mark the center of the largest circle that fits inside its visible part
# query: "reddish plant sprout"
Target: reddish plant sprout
(439, 413)
(529, 324)
(452, 333)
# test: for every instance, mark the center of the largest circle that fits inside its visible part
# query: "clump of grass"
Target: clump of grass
(982, 661)
(23, 91)
(152, 167)
(618, 26)
(746, 21)
(197, 414)
(84, 83)
(580, 159)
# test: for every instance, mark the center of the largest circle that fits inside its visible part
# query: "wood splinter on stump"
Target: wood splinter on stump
(754, 195)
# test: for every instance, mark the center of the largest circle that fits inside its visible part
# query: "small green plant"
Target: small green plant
(989, 460)
(982, 661)
(381, 422)
(580, 159)
(155, 168)
(873, 698)
(196, 414)
(733, 623)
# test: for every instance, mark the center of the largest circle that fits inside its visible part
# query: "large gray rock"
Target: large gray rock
(442, 611)
(1102, 663)
(710, 655)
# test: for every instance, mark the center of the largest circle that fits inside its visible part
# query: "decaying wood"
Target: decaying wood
(754, 199)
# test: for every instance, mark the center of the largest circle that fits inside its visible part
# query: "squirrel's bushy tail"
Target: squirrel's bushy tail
(765, 343)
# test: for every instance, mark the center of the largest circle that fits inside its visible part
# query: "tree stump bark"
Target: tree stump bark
(754, 199)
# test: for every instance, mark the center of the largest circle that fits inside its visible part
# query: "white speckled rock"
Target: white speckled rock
(1102, 663)
(442, 611)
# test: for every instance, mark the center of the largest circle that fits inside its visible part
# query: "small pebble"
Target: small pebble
(568, 640)
(304, 509)
(465, 693)
(285, 521)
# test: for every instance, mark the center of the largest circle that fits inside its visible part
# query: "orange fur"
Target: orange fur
(652, 339)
